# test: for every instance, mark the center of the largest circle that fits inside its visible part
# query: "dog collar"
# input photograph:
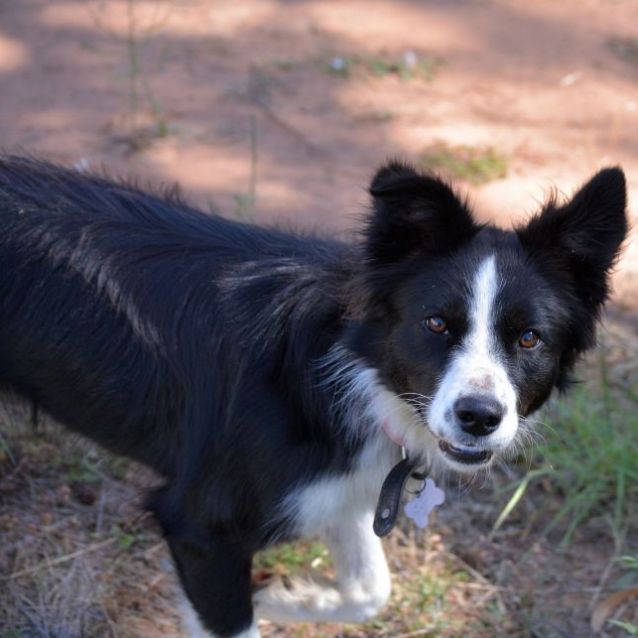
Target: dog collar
(418, 509)
(428, 496)
(390, 496)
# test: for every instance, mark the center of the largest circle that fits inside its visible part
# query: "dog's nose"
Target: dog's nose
(478, 415)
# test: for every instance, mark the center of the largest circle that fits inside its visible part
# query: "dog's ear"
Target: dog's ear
(413, 212)
(582, 237)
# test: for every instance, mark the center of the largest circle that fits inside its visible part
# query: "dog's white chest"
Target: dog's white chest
(320, 505)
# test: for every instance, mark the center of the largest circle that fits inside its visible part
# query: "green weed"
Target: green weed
(285, 64)
(629, 576)
(421, 605)
(589, 457)
(625, 48)
(5, 451)
(292, 556)
(340, 66)
(629, 562)
(409, 66)
(118, 466)
(75, 464)
(245, 202)
(594, 460)
(375, 116)
(76, 460)
(125, 538)
(82, 471)
(139, 87)
(473, 164)
(629, 627)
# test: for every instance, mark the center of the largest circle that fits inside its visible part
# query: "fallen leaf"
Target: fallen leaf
(605, 608)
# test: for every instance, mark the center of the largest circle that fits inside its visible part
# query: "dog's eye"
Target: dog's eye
(529, 339)
(436, 325)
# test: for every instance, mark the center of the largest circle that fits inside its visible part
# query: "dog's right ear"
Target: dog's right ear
(412, 213)
(582, 238)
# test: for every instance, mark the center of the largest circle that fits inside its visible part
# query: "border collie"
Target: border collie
(272, 378)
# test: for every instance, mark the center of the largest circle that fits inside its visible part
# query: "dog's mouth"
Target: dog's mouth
(465, 455)
(462, 456)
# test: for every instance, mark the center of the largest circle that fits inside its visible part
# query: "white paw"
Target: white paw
(285, 600)
(288, 600)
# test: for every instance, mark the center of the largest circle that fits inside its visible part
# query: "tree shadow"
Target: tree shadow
(231, 95)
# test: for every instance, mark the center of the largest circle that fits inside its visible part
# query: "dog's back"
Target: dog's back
(120, 311)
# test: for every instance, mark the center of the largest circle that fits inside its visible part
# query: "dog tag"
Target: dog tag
(390, 497)
(419, 508)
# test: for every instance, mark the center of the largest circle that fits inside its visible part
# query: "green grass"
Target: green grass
(630, 563)
(476, 165)
(128, 535)
(409, 66)
(625, 48)
(285, 64)
(245, 202)
(430, 599)
(291, 557)
(630, 628)
(589, 458)
(5, 451)
(592, 453)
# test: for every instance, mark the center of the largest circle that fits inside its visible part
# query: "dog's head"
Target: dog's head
(474, 326)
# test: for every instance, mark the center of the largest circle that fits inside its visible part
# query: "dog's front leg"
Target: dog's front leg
(215, 575)
(361, 588)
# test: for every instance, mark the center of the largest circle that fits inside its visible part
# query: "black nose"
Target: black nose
(478, 415)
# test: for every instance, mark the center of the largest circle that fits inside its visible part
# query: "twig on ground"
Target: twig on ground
(57, 561)
(424, 631)
(600, 587)
(491, 587)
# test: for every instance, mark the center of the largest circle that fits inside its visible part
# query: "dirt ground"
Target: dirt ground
(219, 96)
(280, 110)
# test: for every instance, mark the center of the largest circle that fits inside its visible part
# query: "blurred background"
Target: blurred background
(280, 111)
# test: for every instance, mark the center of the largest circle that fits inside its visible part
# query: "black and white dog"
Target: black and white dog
(271, 377)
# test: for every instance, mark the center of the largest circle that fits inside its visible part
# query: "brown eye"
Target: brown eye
(529, 339)
(436, 325)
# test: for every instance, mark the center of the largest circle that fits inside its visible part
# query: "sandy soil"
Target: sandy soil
(280, 110)
(181, 90)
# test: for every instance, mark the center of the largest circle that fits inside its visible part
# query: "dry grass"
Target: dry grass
(476, 165)
(79, 559)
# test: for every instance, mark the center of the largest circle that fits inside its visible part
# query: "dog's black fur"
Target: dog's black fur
(186, 341)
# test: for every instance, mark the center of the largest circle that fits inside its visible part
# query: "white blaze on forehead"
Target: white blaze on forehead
(480, 338)
(476, 367)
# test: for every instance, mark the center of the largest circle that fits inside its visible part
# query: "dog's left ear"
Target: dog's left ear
(414, 213)
(584, 236)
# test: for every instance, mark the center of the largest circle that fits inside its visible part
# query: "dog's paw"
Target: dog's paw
(285, 599)
(290, 600)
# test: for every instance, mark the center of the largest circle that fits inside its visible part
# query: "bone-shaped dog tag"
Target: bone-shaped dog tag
(419, 508)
